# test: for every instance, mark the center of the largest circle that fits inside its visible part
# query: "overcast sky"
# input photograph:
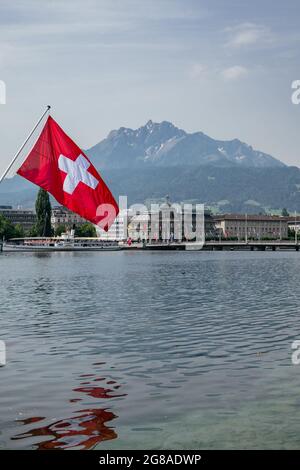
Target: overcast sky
(222, 67)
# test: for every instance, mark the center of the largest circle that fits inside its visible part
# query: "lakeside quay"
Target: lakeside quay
(271, 245)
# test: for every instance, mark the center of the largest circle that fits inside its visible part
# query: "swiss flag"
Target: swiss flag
(59, 166)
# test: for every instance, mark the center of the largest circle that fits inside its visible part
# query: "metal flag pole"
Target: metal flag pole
(23, 145)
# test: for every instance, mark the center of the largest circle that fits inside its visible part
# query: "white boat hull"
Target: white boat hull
(23, 248)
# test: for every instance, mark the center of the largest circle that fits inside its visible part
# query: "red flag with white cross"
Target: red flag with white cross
(59, 166)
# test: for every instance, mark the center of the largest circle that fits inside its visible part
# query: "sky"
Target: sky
(221, 67)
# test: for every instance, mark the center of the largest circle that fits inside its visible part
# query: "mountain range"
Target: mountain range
(159, 158)
(164, 145)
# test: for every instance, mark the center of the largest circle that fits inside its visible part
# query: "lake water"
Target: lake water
(150, 350)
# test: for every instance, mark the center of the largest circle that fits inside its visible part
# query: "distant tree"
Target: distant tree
(59, 230)
(2, 226)
(284, 212)
(32, 232)
(85, 230)
(43, 214)
(8, 230)
(19, 231)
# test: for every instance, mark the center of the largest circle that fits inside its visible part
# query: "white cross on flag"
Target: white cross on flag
(76, 173)
(59, 166)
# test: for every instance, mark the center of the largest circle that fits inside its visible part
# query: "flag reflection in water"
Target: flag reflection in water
(85, 429)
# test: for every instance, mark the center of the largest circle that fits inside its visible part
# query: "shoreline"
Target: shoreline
(208, 246)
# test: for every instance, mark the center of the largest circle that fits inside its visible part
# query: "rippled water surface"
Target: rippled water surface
(149, 350)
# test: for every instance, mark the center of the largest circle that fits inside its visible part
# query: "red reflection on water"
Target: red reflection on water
(35, 419)
(98, 392)
(79, 432)
(82, 431)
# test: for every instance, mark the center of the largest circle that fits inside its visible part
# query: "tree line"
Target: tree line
(42, 227)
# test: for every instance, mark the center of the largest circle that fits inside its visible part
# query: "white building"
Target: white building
(294, 223)
(117, 231)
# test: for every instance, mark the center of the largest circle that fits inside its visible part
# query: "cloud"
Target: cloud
(248, 34)
(197, 71)
(62, 26)
(234, 73)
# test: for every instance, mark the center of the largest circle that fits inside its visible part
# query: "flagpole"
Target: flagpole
(23, 145)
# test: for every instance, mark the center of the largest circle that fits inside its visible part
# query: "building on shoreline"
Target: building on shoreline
(171, 222)
(116, 232)
(24, 217)
(258, 227)
(62, 216)
(294, 223)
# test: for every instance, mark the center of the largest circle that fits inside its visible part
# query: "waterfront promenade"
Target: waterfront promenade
(223, 245)
(272, 245)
